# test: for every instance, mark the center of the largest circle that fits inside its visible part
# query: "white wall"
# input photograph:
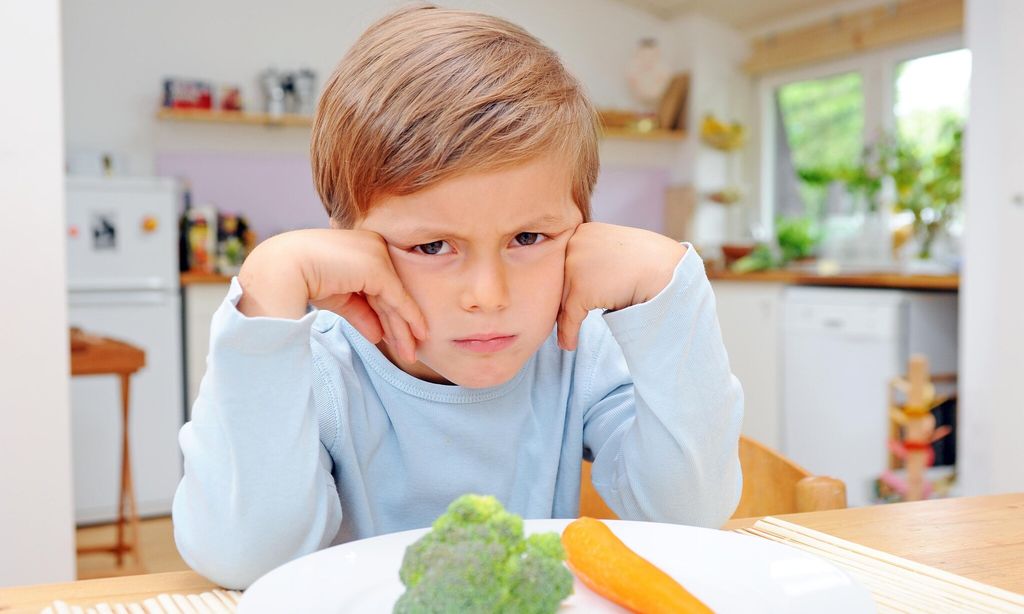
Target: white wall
(713, 53)
(117, 51)
(36, 518)
(992, 294)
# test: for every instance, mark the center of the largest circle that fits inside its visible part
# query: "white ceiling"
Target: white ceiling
(751, 15)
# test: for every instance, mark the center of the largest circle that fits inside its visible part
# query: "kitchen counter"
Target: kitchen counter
(189, 279)
(902, 281)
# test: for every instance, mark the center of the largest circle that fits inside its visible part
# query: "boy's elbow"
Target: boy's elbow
(223, 557)
(716, 500)
(230, 558)
(725, 505)
(221, 566)
(235, 553)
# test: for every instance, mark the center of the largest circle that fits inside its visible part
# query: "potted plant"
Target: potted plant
(928, 187)
(930, 190)
(795, 239)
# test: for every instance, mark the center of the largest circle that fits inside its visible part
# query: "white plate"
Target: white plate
(728, 571)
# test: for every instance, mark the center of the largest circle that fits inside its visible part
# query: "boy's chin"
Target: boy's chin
(470, 377)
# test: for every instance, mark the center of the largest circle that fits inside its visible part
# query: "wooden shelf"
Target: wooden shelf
(263, 119)
(233, 117)
(655, 134)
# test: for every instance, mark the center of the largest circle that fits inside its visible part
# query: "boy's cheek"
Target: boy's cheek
(425, 292)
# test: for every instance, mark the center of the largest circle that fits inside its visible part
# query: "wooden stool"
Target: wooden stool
(92, 355)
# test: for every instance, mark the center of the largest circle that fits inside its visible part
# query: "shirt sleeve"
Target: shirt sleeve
(663, 409)
(257, 489)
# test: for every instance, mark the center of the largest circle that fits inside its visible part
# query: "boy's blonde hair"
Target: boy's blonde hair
(427, 94)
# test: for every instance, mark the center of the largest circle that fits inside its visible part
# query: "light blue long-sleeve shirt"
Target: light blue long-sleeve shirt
(304, 435)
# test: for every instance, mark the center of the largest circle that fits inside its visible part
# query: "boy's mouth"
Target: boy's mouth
(485, 343)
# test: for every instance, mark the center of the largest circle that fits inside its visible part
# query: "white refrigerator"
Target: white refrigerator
(123, 282)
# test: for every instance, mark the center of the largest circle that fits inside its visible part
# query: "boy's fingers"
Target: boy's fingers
(394, 296)
(569, 321)
(410, 312)
(384, 316)
(408, 339)
(399, 335)
(363, 318)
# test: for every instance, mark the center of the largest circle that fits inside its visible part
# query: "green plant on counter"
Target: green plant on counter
(929, 188)
(795, 238)
(927, 185)
(761, 259)
(863, 180)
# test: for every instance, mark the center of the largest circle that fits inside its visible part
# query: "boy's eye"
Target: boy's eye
(433, 248)
(529, 238)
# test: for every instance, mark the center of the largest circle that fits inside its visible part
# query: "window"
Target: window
(817, 121)
(930, 98)
(821, 128)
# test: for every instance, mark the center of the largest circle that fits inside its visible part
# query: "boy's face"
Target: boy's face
(483, 255)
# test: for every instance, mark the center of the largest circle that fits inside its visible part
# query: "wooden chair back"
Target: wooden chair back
(772, 484)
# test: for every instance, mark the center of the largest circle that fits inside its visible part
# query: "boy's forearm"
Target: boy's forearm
(679, 458)
(273, 279)
(254, 463)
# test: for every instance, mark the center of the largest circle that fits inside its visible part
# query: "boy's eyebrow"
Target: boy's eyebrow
(544, 221)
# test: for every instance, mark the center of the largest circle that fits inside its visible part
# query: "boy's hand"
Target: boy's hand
(348, 272)
(612, 267)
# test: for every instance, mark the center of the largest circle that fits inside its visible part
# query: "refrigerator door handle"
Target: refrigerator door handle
(118, 285)
(138, 297)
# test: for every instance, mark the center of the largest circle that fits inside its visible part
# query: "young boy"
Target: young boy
(456, 157)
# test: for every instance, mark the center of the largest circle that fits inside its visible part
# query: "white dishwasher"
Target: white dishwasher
(841, 346)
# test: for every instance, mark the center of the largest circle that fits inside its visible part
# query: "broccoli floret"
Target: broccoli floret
(476, 560)
(541, 581)
(455, 577)
(484, 518)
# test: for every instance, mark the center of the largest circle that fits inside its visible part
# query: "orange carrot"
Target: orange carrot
(610, 568)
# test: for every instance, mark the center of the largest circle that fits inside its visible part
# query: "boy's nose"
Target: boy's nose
(486, 288)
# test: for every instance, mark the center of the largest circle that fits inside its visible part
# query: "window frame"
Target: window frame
(878, 79)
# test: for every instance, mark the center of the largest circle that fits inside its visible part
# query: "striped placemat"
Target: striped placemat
(216, 601)
(896, 584)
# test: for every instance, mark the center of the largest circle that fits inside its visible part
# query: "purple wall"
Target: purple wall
(631, 197)
(275, 191)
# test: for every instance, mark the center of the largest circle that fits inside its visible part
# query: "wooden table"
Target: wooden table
(981, 538)
(92, 355)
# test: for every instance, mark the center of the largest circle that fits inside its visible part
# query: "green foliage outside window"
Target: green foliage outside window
(824, 125)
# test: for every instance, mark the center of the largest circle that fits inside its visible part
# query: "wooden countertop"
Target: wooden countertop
(188, 279)
(858, 280)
